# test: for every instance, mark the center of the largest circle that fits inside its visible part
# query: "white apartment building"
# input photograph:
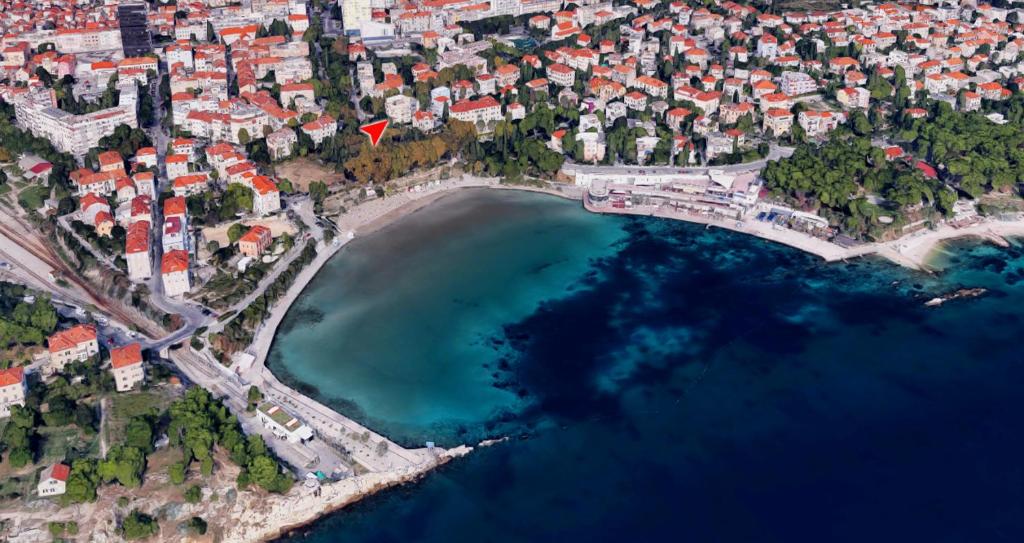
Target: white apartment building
(266, 198)
(76, 344)
(87, 40)
(819, 123)
(174, 273)
(74, 134)
(484, 109)
(12, 389)
(354, 13)
(320, 129)
(126, 365)
(593, 145)
(136, 251)
(400, 108)
(797, 83)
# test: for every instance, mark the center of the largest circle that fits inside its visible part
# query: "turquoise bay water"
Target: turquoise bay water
(662, 381)
(385, 330)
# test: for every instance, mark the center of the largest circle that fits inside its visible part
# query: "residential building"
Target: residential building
(255, 241)
(266, 198)
(400, 108)
(137, 253)
(174, 273)
(281, 142)
(853, 97)
(53, 480)
(12, 389)
(320, 129)
(485, 109)
(76, 344)
(126, 365)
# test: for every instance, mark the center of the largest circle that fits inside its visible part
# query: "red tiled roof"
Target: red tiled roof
(255, 234)
(72, 337)
(174, 261)
(174, 206)
(137, 239)
(126, 356)
(263, 184)
(60, 472)
(11, 376)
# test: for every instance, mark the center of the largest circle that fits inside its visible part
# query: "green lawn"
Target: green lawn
(123, 407)
(65, 442)
(32, 198)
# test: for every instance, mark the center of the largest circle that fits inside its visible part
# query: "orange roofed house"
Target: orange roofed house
(255, 241)
(12, 390)
(174, 273)
(76, 344)
(136, 251)
(126, 365)
(266, 196)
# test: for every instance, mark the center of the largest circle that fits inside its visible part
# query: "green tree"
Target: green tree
(124, 465)
(318, 192)
(193, 494)
(139, 434)
(82, 482)
(138, 525)
(254, 397)
(236, 231)
(176, 473)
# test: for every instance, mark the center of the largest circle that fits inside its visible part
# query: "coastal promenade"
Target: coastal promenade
(827, 250)
(912, 251)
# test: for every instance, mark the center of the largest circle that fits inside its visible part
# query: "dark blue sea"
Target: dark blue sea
(660, 381)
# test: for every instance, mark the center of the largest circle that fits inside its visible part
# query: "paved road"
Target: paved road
(775, 152)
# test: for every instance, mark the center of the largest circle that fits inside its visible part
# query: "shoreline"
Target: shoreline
(916, 251)
(288, 513)
(913, 251)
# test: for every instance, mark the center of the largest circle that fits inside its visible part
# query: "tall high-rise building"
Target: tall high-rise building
(135, 38)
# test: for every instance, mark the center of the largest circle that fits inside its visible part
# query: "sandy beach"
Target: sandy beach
(921, 247)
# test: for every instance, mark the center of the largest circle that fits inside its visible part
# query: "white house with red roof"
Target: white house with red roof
(561, 75)
(76, 344)
(136, 249)
(174, 273)
(320, 129)
(53, 480)
(266, 198)
(484, 109)
(12, 389)
(126, 365)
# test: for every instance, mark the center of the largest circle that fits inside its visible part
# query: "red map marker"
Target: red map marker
(375, 130)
